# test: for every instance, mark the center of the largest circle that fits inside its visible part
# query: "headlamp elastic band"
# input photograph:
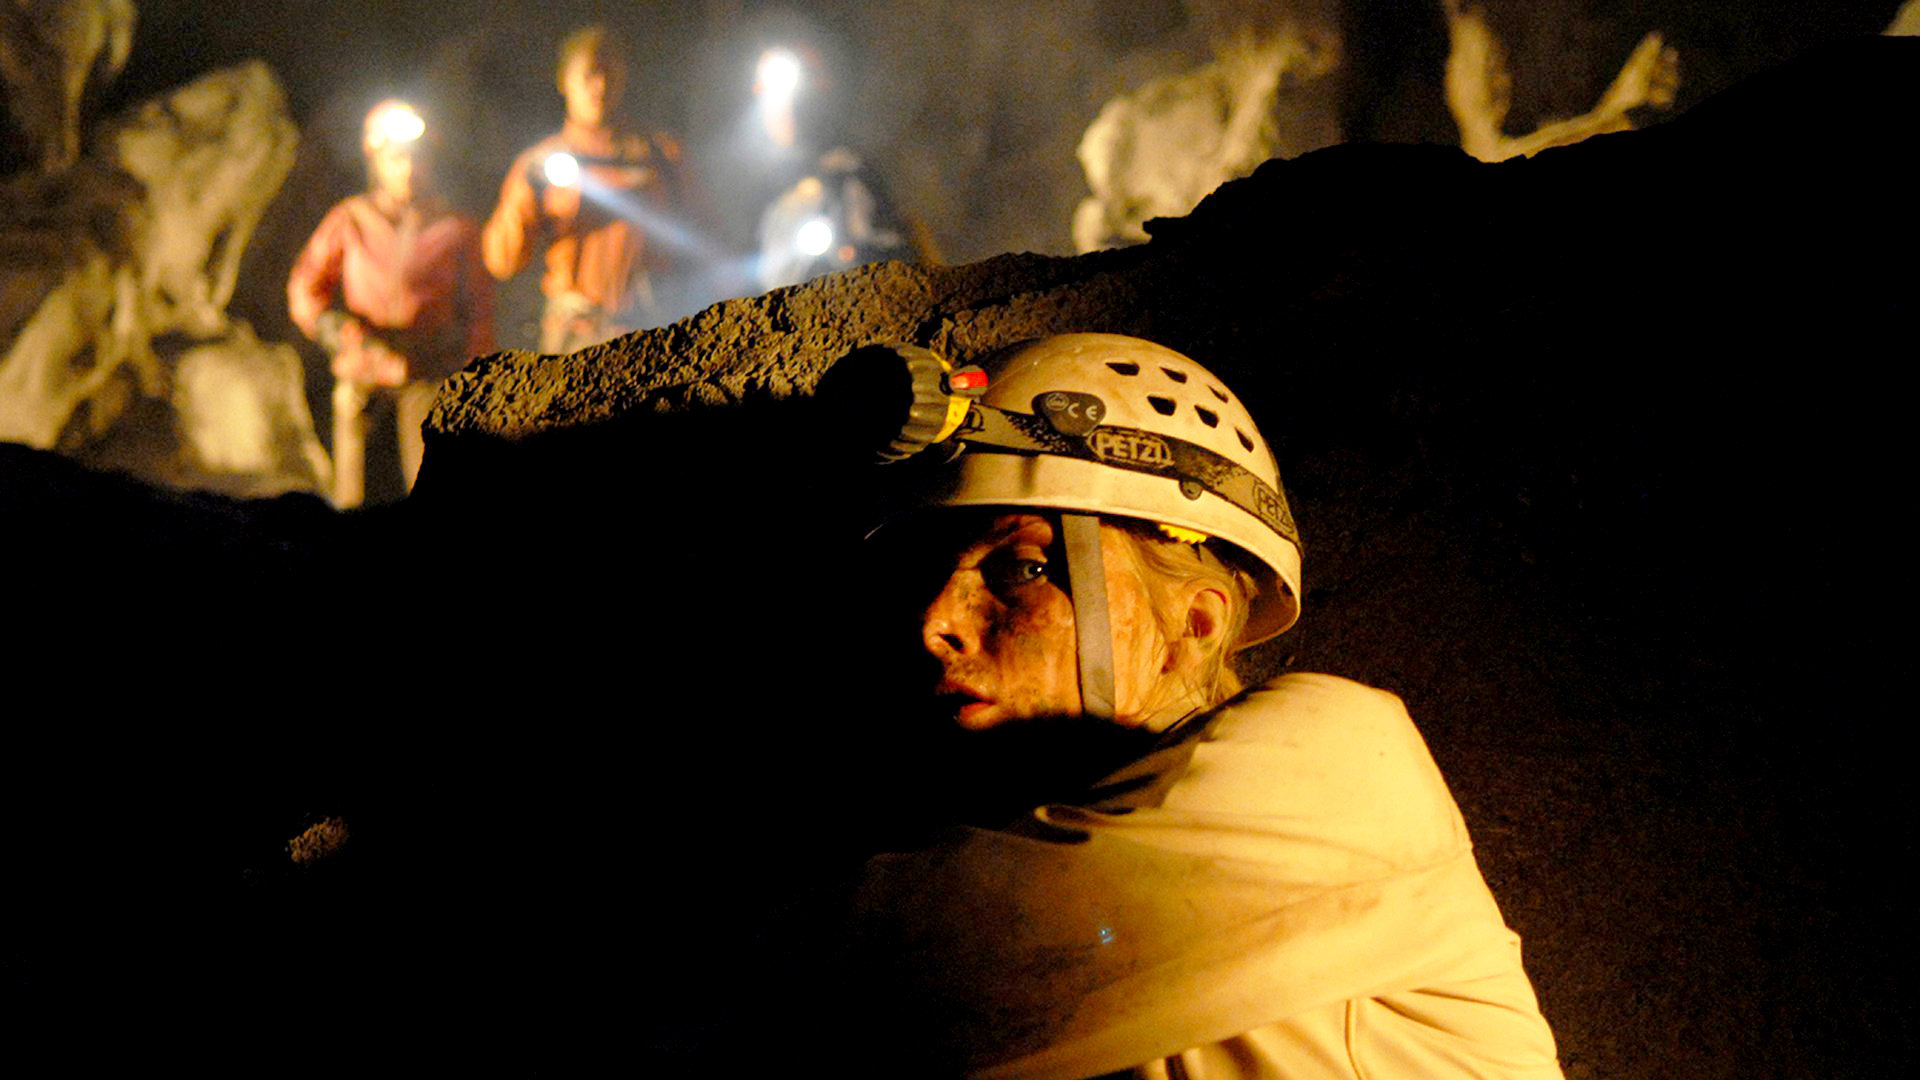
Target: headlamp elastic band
(1195, 468)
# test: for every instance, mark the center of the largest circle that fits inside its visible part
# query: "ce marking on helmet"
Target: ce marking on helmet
(1070, 412)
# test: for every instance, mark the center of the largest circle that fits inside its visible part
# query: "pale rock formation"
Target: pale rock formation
(211, 155)
(142, 241)
(1906, 21)
(69, 305)
(1158, 151)
(51, 53)
(242, 410)
(1479, 90)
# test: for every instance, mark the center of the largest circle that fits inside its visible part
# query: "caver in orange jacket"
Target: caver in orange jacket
(597, 246)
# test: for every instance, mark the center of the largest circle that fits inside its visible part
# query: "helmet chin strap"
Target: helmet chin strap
(1087, 576)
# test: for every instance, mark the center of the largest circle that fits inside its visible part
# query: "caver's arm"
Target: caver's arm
(1309, 854)
(504, 241)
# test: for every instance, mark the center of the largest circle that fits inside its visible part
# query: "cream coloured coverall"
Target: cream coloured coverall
(1290, 893)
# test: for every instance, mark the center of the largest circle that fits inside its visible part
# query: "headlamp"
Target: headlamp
(394, 124)
(920, 400)
(814, 237)
(778, 76)
(561, 169)
(902, 398)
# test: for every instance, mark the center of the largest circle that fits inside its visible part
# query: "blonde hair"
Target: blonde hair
(1167, 568)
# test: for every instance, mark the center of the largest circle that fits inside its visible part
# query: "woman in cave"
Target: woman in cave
(1264, 882)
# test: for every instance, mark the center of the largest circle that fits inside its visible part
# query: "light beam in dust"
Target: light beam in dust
(660, 226)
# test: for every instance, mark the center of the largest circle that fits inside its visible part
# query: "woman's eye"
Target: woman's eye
(1014, 573)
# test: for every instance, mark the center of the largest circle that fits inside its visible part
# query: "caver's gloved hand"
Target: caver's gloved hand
(358, 355)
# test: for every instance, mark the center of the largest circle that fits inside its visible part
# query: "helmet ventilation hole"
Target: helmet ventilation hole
(1123, 367)
(1176, 376)
(1244, 441)
(1161, 405)
(1219, 393)
(1208, 416)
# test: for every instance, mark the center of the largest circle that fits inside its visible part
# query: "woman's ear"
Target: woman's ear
(1203, 632)
(1207, 618)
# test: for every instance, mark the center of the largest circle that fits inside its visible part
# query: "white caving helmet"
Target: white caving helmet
(1091, 424)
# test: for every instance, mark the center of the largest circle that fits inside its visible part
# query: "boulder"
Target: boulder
(243, 419)
(117, 272)
(210, 156)
(68, 305)
(1158, 150)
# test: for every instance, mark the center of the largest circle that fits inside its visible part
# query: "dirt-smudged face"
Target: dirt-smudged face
(1002, 628)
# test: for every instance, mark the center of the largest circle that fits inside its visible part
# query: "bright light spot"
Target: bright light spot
(779, 74)
(1106, 935)
(814, 238)
(397, 123)
(562, 169)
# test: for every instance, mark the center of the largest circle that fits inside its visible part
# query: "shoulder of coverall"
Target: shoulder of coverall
(1329, 747)
(1263, 713)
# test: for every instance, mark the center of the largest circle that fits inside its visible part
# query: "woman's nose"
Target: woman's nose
(950, 627)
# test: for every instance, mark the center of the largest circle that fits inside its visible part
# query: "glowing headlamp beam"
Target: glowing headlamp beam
(398, 124)
(561, 169)
(658, 226)
(778, 74)
(813, 237)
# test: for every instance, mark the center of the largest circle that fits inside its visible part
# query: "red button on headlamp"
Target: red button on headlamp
(967, 379)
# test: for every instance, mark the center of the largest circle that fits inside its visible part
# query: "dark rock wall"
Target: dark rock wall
(1599, 457)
